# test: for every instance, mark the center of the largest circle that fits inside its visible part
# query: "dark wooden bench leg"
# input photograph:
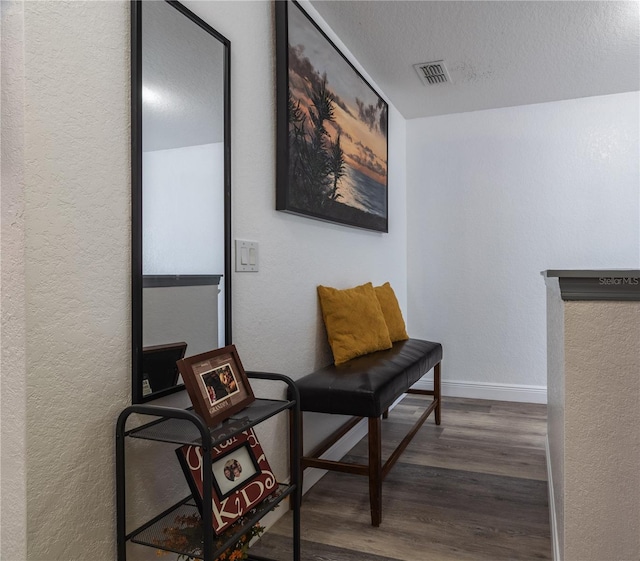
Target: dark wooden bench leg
(375, 470)
(385, 415)
(436, 391)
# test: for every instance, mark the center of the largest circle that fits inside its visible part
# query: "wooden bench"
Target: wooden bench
(367, 386)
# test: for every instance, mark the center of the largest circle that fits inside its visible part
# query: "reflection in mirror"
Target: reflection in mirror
(180, 193)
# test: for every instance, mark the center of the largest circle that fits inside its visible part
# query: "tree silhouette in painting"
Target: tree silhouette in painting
(316, 164)
(337, 167)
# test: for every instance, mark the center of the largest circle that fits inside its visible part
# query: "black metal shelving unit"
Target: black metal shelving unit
(183, 426)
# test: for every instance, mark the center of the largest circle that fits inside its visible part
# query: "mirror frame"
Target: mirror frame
(136, 192)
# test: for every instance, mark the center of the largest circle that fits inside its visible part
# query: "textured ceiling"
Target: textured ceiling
(499, 54)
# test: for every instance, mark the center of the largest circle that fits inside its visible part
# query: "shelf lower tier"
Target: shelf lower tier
(179, 529)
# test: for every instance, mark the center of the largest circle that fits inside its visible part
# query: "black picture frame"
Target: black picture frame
(332, 129)
(159, 366)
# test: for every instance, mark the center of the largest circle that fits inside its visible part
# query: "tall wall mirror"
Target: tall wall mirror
(181, 193)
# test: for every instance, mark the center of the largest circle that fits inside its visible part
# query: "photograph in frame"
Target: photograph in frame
(332, 129)
(242, 477)
(216, 383)
(232, 470)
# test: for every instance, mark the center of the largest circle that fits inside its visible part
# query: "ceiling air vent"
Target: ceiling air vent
(432, 73)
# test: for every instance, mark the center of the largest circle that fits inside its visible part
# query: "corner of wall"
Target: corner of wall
(13, 540)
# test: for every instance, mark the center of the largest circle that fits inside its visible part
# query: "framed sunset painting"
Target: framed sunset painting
(331, 129)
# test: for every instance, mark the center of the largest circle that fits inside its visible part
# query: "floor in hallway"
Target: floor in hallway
(473, 488)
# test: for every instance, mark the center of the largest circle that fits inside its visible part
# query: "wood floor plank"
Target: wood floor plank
(473, 489)
(491, 459)
(278, 547)
(474, 448)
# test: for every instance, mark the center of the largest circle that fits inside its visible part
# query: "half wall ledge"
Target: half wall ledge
(602, 284)
(593, 413)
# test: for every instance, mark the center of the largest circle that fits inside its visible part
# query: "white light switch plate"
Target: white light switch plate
(246, 256)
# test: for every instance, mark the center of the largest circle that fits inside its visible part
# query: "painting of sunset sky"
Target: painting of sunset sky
(337, 133)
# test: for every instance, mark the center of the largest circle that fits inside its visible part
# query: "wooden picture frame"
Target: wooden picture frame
(216, 383)
(332, 129)
(242, 477)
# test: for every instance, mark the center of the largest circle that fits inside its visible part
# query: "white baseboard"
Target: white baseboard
(555, 544)
(484, 390)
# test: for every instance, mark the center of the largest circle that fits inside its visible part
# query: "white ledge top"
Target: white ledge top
(596, 284)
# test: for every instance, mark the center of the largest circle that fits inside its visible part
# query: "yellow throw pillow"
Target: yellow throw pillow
(354, 321)
(392, 312)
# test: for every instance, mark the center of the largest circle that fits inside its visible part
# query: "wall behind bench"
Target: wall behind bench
(494, 197)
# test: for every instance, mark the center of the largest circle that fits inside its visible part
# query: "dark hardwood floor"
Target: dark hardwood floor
(473, 488)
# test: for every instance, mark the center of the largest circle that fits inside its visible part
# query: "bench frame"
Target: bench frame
(375, 470)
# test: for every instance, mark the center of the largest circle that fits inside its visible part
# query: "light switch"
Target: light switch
(246, 256)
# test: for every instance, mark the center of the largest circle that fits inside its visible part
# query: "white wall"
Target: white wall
(495, 197)
(555, 414)
(13, 373)
(183, 211)
(77, 252)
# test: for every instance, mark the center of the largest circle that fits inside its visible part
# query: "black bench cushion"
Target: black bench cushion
(367, 385)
